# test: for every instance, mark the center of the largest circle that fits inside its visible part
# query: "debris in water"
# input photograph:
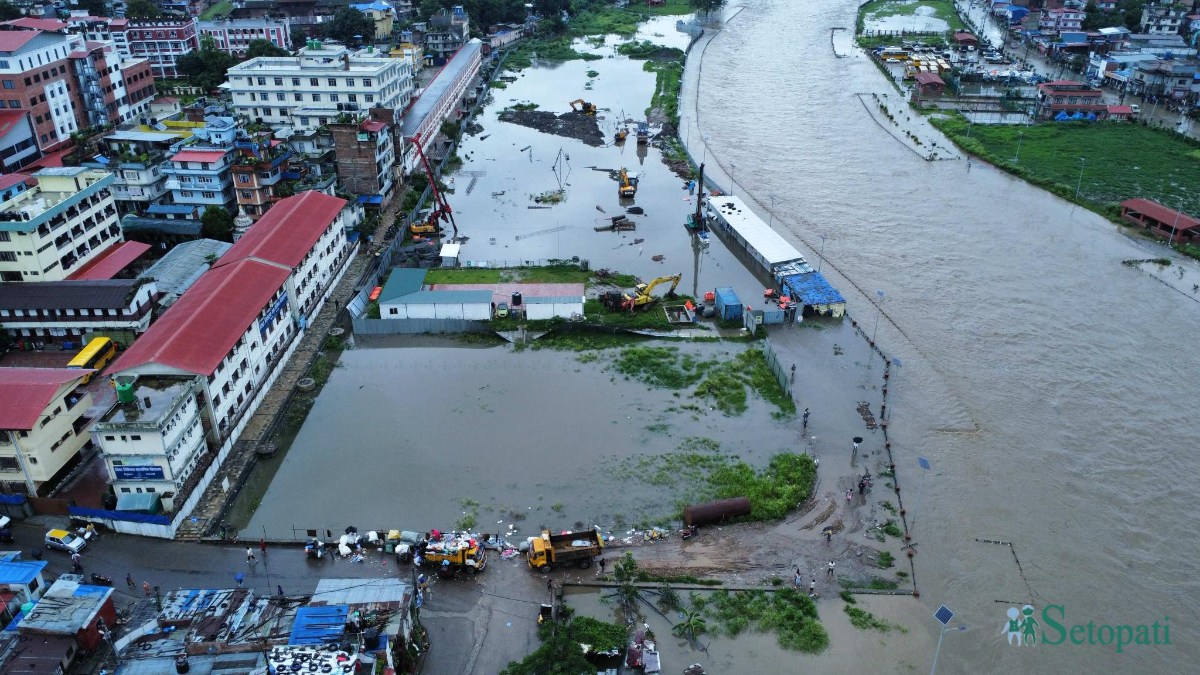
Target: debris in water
(571, 125)
(635, 210)
(637, 241)
(537, 207)
(525, 148)
(499, 194)
(600, 209)
(864, 410)
(658, 258)
(484, 137)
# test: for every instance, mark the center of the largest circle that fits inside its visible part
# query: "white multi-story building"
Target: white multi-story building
(49, 231)
(235, 35)
(57, 312)
(209, 361)
(312, 89)
(42, 422)
(1164, 18)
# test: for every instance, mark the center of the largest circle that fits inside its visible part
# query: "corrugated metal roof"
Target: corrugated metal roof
(287, 232)
(67, 607)
(424, 106)
(319, 625)
(401, 282)
(184, 264)
(115, 259)
(759, 236)
(25, 393)
(20, 572)
(446, 298)
(362, 593)
(99, 294)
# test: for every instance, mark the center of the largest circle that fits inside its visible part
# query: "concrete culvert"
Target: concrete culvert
(306, 384)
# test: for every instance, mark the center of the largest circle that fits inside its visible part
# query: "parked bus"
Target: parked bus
(98, 352)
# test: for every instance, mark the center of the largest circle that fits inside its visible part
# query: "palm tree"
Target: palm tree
(692, 625)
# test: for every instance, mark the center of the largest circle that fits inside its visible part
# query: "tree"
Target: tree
(430, 7)
(299, 37)
(93, 7)
(692, 625)
(141, 9)
(216, 223)
(258, 48)
(348, 23)
(206, 66)
(707, 6)
(8, 12)
(549, 8)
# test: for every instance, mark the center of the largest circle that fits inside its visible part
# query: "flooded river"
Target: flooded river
(1049, 385)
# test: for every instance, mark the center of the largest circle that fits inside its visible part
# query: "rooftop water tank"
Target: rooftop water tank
(125, 395)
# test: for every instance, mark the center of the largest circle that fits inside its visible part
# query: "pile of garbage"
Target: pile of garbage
(571, 125)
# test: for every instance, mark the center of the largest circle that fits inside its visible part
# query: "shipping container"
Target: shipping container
(729, 307)
(772, 316)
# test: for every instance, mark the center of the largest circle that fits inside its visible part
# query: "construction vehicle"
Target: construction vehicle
(621, 135)
(642, 295)
(627, 183)
(441, 211)
(455, 554)
(549, 550)
(580, 105)
(643, 133)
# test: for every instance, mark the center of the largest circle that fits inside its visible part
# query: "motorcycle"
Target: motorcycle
(314, 549)
(6, 535)
(689, 532)
(100, 580)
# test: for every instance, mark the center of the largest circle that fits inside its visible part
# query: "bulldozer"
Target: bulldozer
(580, 105)
(627, 183)
(642, 295)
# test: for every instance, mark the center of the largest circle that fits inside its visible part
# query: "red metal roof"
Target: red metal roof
(10, 118)
(373, 125)
(25, 393)
(929, 78)
(200, 328)
(1162, 214)
(12, 40)
(113, 260)
(10, 179)
(1120, 110)
(51, 160)
(288, 231)
(198, 156)
(36, 23)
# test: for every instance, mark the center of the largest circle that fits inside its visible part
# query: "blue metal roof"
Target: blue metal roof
(447, 297)
(319, 625)
(171, 208)
(401, 282)
(20, 572)
(812, 289)
(370, 199)
(726, 296)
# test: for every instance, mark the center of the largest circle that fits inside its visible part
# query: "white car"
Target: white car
(1136, 109)
(65, 541)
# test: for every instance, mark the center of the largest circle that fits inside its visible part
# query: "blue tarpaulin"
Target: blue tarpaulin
(370, 199)
(319, 625)
(811, 289)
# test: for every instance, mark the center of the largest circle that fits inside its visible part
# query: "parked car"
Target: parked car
(502, 310)
(1137, 110)
(65, 541)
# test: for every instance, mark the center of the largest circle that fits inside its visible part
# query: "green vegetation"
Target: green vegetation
(650, 577)
(861, 618)
(522, 107)
(692, 624)
(660, 366)
(652, 318)
(886, 559)
(892, 529)
(557, 48)
(666, 91)
(879, 9)
(789, 613)
(1122, 160)
(646, 49)
(726, 384)
(223, 8)
(498, 84)
(560, 652)
(462, 276)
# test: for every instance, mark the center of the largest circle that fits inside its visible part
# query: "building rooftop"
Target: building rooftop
(362, 594)
(319, 625)
(109, 263)
(1161, 213)
(155, 397)
(175, 272)
(199, 156)
(10, 119)
(288, 231)
(758, 233)
(78, 294)
(13, 40)
(67, 607)
(401, 282)
(188, 227)
(20, 572)
(200, 328)
(148, 136)
(10, 179)
(427, 102)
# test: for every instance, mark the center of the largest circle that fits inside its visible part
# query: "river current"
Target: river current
(1049, 386)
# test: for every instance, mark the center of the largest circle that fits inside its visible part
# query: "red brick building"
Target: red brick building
(1066, 96)
(36, 75)
(1174, 226)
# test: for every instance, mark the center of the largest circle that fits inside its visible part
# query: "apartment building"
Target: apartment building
(113, 90)
(187, 388)
(366, 155)
(1164, 17)
(199, 174)
(235, 35)
(18, 142)
(310, 90)
(1061, 20)
(58, 312)
(54, 228)
(446, 33)
(159, 41)
(382, 15)
(42, 425)
(138, 161)
(36, 76)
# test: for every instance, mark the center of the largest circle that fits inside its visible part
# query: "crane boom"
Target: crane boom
(443, 207)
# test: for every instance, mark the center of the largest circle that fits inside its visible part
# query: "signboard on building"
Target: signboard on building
(138, 472)
(272, 313)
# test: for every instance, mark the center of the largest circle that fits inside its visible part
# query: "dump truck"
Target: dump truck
(549, 549)
(462, 553)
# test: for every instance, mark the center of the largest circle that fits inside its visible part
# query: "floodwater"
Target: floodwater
(1048, 385)
(414, 438)
(923, 19)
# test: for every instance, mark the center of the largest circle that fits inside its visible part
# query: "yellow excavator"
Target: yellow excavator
(580, 105)
(627, 183)
(643, 294)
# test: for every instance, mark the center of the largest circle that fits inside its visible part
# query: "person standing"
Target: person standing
(855, 445)
(262, 546)
(279, 590)
(129, 580)
(146, 588)
(250, 554)
(806, 418)
(829, 569)
(797, 580)
(812, 587)
(75, 566)
(602, 566)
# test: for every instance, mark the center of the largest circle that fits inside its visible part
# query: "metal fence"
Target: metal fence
(783, 374)
(417, 326)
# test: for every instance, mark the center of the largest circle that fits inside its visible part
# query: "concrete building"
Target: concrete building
(439, 102)
(58, 312)
(36, 75)
(20, 582)
(42, 425)
(382, 14)
(188, 387)
(1060, 20)
(259, 166)
(1164, 17)
(366, 156)
(114, 90)
(235, 35)
(161, 41)
(1066, 96)
(48, 231)
(310, 90)
(72, 610)
(200, 173)
(1173, 78)
(139, 161)
(445, 33)
(18, 143)
(409, 48)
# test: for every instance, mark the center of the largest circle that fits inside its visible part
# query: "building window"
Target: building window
(295, 82)
(349, 81)
(9, 84)
(332, 81)
(334, 98)
(279, 82)
(9, 464)
(313, 82)
(316, 97)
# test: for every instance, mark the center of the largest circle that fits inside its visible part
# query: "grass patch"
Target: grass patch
(791, 615)
(223, 8)
(555, 274)
(522, 107)
(773, 492)
(726, 384)
(462, 276)
(560, 652)
(669, 79)
(651, 318)
(651, 577)
(646, 49)
(879, 9)
(659, 366)
(578, 341)
(1122, 159)
(892, 529)
(1190, 250)
(861, 618)
(886, 559)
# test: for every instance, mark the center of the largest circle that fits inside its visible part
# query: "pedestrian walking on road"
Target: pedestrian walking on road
(829, 569)
(602, 566)
(550, 585)
(793, 373)
(262, 546)
(279, 590)
(812, 587)
(146, 588)
(250, 554)
(129, 580)
(798, 579)
(828, 536)
(855, 445)
(75, 566)
(239, 578)
(806, 418)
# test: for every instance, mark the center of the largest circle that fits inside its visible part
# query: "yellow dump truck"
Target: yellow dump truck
(462, 554)
(549, 550)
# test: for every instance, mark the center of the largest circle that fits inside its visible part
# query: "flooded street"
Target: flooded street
(1047, 383)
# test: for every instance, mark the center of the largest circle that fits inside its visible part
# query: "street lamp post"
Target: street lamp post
(1020, 137)
(878, 310)
(1082, 163)
(925, 466)
(732, 168)
(943, 615)
(821, 255)
(1174, 225)
(771, 218)
(706, 138)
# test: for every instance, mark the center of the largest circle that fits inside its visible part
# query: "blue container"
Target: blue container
(729, 307)
(772, 316)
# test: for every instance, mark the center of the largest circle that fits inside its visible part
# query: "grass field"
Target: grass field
(879, 9)
(1120, 160)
